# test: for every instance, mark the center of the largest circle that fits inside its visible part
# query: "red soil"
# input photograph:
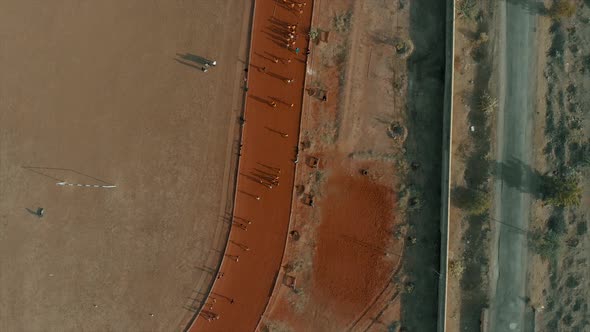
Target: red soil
(270, 137)
(354, 252)
(352, 260)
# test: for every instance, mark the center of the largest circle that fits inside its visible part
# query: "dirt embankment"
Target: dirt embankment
(475, 104)
(561, 301)
(377, 182)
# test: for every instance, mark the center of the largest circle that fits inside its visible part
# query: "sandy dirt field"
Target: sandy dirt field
(90, 92)
(266, 171)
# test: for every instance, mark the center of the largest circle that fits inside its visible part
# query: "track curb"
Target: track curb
(446, 163)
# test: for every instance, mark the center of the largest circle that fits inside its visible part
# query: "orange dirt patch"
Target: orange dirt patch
(347, 254)
(352, 260)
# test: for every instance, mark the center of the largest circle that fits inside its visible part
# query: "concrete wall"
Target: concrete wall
(446, 164)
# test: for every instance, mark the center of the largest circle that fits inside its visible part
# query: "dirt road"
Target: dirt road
(514, 142)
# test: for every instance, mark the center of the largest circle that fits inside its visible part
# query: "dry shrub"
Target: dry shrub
(456, 268)
(562, 9)
(488, 103)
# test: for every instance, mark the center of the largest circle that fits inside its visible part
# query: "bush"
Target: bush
(394, 327)
(466, 9)
(456, 268)
(487, 103)
(409, 287)
(581, 228)
(545, 244)
(403, 48)
(342, 22)
(313, 34)
(557, 225)
(562, 9)
(472, 201)
(561, 191)
(572, 282)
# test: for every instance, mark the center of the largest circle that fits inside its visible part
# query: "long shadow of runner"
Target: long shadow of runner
(189, 64)
(37, 213)
(193, 58)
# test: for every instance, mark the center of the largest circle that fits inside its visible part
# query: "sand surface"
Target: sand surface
(93, 88)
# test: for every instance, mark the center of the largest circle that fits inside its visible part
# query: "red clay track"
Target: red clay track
(270, 138)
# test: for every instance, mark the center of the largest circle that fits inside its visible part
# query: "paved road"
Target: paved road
(517, 54)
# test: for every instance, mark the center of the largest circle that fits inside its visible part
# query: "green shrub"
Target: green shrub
(342, 22)
(562, 9)
(466, 9)
(561, 191)
(545, 244)
(456, 268)
(557, 224)
(472, 201)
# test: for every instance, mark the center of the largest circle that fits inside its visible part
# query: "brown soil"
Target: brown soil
(354, 257)
(269, 137)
